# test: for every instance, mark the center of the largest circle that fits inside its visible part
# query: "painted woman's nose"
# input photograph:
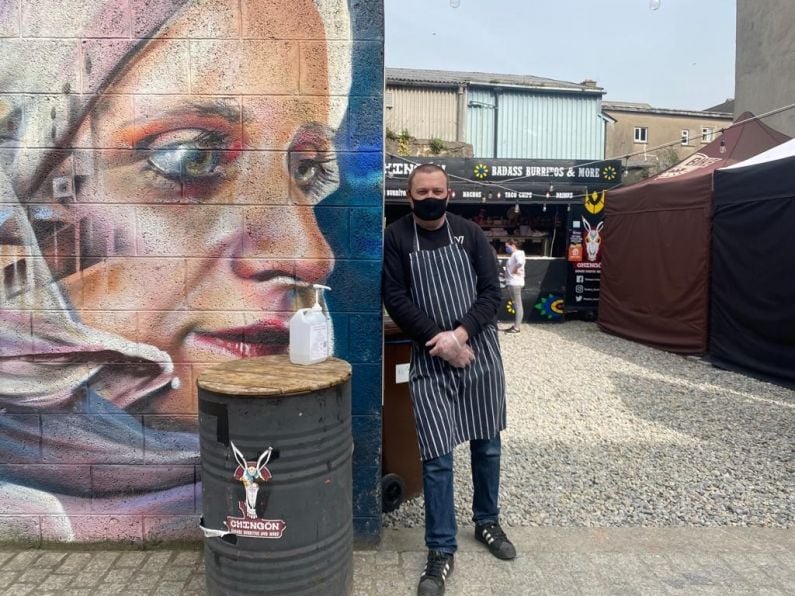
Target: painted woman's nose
(283, 241)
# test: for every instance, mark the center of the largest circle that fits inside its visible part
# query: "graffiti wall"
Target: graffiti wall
(174, 175)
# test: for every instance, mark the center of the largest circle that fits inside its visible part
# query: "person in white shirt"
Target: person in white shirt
(514, 270)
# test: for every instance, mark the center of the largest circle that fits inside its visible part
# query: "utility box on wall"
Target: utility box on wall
(174, 177)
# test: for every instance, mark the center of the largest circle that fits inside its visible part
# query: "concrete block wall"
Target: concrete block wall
(173, 176)
(765, 55)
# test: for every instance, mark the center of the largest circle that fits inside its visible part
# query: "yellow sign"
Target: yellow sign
(595, 202)
(481, 171)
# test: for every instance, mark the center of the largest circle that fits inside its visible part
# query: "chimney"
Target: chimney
(588, 83)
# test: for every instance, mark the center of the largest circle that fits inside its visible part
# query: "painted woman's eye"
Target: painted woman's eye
(314, 173)
(305, 171)
(186, 155)
(312, 162)
(183, 163)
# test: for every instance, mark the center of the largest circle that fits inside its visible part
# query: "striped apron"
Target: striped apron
(452, 405)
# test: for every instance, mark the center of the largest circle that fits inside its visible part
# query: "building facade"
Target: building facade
(649, 139)
(765, 59)
(501, 116)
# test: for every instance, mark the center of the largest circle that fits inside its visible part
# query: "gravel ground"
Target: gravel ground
(606, 432)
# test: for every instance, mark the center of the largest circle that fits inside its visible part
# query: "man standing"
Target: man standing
(440, 286)
(514, 269)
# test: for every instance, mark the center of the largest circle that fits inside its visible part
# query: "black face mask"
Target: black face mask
(429, 209)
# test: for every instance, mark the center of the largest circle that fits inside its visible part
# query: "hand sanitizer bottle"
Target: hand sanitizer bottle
(310, 335)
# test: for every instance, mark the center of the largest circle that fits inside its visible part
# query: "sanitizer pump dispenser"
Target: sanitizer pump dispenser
(310, 333)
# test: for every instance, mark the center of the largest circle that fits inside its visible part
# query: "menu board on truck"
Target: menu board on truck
(584, 253)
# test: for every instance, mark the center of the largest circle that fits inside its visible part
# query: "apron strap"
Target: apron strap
(417, 238)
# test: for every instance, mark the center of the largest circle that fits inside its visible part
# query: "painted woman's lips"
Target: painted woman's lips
(260, 339)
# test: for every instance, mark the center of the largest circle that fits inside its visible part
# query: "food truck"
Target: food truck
(552, 208)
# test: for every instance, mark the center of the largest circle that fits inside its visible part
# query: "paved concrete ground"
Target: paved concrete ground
(617, 561)
(564, 561)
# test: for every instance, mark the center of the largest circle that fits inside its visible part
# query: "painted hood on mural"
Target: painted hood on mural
(51, 362)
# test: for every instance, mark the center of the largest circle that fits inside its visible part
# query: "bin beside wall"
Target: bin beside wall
(401, 463)
(298, 538)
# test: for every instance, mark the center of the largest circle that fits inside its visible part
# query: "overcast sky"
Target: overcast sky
(679, 56)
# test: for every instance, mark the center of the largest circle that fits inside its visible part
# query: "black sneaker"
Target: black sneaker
(513, 330)
(492, 536)
(437, 569)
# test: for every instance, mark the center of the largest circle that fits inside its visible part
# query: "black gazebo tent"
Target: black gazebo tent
(752, 323)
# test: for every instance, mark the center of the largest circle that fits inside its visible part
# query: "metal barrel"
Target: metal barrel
(293, 534)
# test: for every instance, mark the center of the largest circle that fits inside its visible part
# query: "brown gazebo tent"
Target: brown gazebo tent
(656, 245)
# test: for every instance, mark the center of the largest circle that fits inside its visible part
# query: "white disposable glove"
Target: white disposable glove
(446, 346)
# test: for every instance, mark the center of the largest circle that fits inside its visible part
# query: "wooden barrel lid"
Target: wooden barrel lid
(273, 376)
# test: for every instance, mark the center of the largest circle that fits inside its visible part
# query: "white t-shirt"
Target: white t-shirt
(514, 269)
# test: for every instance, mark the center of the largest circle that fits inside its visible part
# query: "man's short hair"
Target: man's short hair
(427, 168)
(512, 242)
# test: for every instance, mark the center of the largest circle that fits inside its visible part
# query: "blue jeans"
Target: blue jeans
(437, 479)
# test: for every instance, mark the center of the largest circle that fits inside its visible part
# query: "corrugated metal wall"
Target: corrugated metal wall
(425, 113)
(480, 122)
(536, 126)
(531, 125)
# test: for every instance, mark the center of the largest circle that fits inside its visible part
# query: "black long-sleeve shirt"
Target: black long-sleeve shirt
(396, 282)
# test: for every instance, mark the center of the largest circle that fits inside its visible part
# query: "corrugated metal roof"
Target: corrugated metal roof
(626, 106)
(448, 77)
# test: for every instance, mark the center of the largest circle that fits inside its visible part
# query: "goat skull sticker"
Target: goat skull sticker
(593, 239)
(253, 475)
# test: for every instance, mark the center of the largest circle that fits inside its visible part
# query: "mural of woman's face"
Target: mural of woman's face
(200, 180)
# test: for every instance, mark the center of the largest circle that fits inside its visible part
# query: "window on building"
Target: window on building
(685, 136)
(641, 134)
(707, 134)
